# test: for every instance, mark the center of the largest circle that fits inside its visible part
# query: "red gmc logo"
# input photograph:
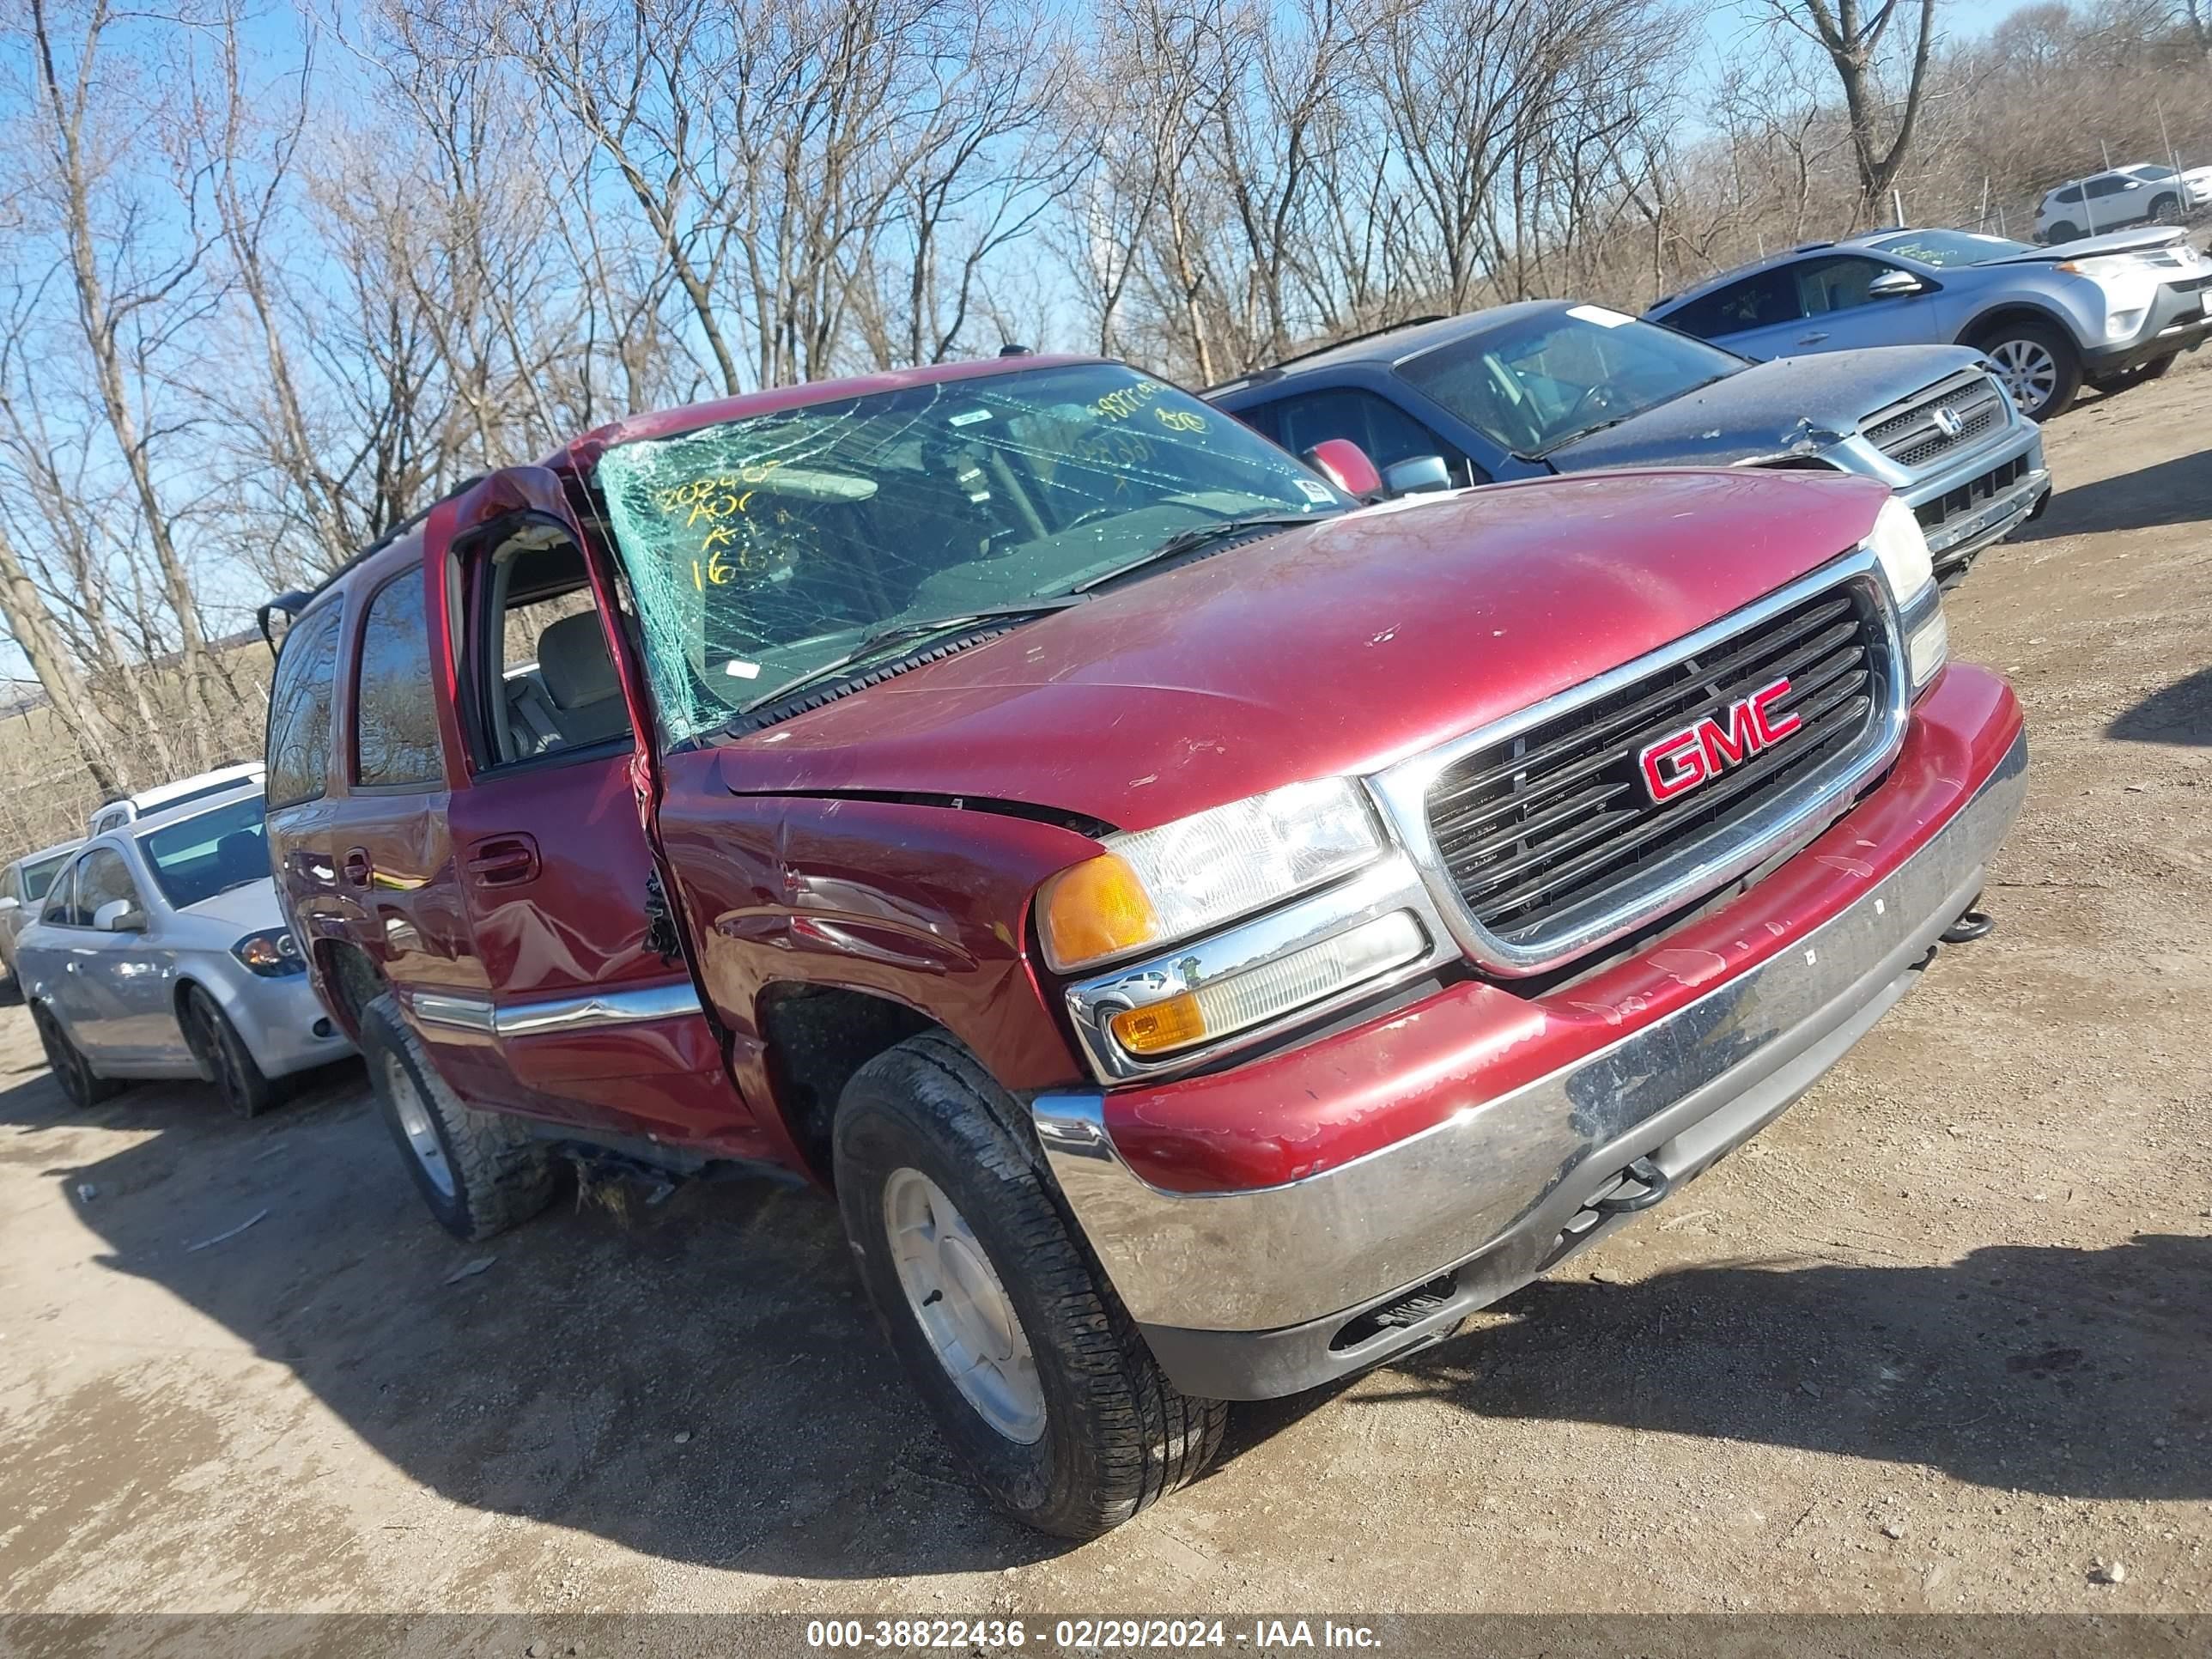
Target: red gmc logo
(1681, 761)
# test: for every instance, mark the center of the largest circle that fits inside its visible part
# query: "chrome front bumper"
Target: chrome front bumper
(1251, 1293)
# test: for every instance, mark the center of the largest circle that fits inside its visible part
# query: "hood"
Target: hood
(1328, 648)
(251, 909)
(2140, 240)
(1789, 406)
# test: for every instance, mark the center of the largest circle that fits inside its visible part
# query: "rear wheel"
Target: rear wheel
(1004, 1322)
(2038, 365)
(2064, 231)
(481, 1173)
(223, 1056)
(84, 1086)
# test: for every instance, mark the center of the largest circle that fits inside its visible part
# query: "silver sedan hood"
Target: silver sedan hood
(251, 909)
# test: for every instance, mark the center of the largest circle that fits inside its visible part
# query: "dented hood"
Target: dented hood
(1326, 649)
(1790, 406)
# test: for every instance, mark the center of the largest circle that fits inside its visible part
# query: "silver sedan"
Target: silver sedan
(160, 952)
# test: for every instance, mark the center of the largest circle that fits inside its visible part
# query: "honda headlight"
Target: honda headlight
(1901, 548)
(1154, 887)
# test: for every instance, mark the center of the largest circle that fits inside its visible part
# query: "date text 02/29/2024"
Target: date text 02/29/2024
(1087, 1634)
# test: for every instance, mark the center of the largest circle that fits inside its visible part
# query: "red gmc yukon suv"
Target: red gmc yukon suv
(1209, 934)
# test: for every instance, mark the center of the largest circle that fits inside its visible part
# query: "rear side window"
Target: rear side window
(2071, 193)
(300, 710)
(395, 721)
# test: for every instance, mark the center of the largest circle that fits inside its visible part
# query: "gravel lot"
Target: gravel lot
(1937, 1339)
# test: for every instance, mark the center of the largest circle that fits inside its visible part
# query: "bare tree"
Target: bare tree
(1852, 38)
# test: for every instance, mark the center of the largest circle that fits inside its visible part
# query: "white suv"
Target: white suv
(2137, 195)
(121, 811)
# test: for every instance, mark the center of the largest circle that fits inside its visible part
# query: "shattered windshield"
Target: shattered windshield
(1540, 382)
(761, 551)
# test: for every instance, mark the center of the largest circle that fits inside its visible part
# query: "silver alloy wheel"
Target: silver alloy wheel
(962, 1307)
(2030, 373)
(415, 1122)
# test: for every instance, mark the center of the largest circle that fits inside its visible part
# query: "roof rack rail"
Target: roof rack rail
(292, 603)
(1276, 367)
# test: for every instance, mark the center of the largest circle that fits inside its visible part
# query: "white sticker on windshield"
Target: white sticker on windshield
(743, 671)
(970, 417)
(1316, 492)
(1599, 315)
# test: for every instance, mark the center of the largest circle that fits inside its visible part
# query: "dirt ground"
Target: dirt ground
(1937, 1339)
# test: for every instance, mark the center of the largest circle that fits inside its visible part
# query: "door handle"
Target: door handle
(1813, 338)
(504, 861)
(358, 869)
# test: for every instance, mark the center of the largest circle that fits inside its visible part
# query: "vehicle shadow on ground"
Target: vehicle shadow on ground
(555, 1383)
(2170, 492)
(2180, 714)
(2065, 1372)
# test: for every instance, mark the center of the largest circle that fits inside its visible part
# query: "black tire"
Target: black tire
(2155, 369)
(2166, 210)
(1116, 1435)
(496, 1174)
(224, 1059)
(83, 1086)
(2064, 231)
(2011, 345)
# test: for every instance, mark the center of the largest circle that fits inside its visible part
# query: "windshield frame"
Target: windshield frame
(1051, 451)
(164, 879)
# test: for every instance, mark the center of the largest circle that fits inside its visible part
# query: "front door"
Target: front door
(591, 1002)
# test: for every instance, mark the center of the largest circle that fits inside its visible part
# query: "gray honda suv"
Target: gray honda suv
(1542, 388)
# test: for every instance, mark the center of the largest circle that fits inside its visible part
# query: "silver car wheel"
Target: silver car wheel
(414, 1122)
(962, 1307)
(2029, 372)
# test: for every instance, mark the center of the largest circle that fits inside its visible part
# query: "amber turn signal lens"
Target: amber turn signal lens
(1176, 1024)
(1098, 909)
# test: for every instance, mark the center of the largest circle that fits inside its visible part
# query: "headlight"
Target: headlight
(1155, 886)
(1902, 549)
(272, 955)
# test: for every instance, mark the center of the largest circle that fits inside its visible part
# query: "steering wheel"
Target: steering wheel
(1597, 398)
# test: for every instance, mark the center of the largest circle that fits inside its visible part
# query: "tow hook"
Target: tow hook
(1972, 924)
(1655, 1181)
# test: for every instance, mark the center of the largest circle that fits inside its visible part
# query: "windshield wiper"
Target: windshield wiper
(901, 629)
(1198, 535)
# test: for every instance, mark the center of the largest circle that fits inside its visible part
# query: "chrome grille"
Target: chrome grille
(1541, 830)
(1916, 433)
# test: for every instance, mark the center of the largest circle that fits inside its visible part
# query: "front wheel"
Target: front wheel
(2167, 210)
(2038, 365)
(481, 1173)
(1004, 1322)
(223, 1057)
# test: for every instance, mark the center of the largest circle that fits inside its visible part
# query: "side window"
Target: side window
(103, 878)
(11, 884)
(2110, 184)
(2071, 194)
(544, 681)
(300, 700)
(1387, 432)
(1825, 286)
(1764, 300)
(395, 720)
(61, 899)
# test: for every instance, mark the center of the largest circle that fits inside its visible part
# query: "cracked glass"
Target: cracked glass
(825, 537)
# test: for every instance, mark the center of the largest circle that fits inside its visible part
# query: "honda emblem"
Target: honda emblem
(1947, 422)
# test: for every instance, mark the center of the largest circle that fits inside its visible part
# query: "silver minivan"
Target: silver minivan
(161, 952)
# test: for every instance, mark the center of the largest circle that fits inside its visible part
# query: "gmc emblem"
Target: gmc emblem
(1681, 761)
